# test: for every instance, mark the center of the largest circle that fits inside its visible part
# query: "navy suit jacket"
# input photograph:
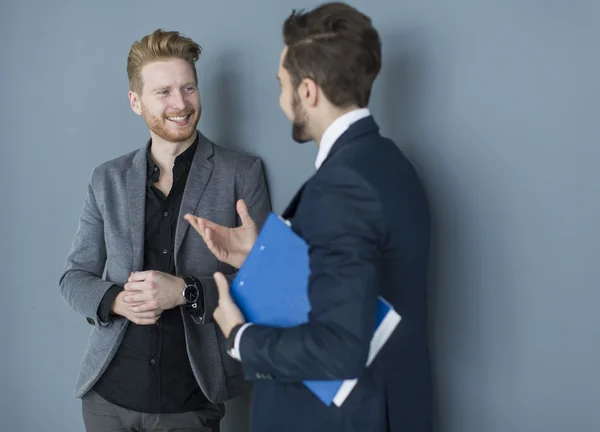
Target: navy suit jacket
(365, 217)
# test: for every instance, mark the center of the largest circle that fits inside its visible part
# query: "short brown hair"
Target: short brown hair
(159, 46)
(336, 46)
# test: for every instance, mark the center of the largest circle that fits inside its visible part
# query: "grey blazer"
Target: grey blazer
(108, 246)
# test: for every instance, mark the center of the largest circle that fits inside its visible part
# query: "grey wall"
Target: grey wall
(496, 103)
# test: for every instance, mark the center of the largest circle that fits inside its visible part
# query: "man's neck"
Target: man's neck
(327, 118)
(165, 152)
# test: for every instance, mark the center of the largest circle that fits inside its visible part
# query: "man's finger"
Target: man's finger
(213, 246)
(133, 304)
(144, 307)
(138, 276)
(135, 286)
(209, 239)
(199, 224)
(242, 210)
(222, 287)
(202, 224)
(136, 298)
(145, 321)
(203, 228)
(147, 314)
(192, 220)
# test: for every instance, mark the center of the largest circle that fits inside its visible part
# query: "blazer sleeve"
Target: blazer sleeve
(81, 284)
(343, 226)
(256, 196)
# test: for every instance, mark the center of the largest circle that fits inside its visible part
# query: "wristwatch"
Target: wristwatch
(191, 292)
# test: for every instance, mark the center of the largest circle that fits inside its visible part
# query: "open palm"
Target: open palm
(229, 245)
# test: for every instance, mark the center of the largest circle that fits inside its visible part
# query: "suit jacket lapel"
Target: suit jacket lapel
(363, 126)
(136, 200)
(290, 210)
(198, 179)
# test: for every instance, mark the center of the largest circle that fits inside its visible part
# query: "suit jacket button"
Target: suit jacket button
(91, 321)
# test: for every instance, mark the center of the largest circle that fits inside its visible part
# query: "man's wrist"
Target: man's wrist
(236, 335)
(232, 334)
(181, 298)
(114, 305)
(108, 303)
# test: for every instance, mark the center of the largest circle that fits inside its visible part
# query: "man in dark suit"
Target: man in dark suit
(365, 217)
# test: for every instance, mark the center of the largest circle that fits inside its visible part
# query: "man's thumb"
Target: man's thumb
(222, 287)
(242, 210)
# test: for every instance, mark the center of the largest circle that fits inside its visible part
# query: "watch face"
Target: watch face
(191, 293)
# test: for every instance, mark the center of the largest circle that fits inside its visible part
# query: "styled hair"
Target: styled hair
(337, 47)
(159, 46)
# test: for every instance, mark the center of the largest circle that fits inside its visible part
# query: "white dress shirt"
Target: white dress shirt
(335, 130)
(330, 136)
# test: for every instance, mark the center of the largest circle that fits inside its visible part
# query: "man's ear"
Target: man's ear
(308, 90)
(135, 102)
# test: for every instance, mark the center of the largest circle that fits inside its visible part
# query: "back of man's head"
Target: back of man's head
(336, 46)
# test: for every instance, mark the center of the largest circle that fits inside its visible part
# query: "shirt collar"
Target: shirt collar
(335, 130)
(182, 162)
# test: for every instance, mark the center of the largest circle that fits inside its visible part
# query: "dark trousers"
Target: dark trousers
(99, 415)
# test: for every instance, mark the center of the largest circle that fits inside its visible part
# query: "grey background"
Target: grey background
(495, 102)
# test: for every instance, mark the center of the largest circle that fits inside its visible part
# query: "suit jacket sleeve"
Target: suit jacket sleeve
(256, 197)
(340, 218)
(81, 283)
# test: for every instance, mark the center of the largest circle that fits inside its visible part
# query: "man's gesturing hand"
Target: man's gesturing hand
(228, 245)
(227, 314)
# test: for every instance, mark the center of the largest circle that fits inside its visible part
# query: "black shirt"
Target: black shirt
(151, 371)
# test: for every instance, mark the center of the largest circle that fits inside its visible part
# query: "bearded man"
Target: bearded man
(143, 281)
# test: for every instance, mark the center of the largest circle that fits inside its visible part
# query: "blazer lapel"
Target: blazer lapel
(198, 179)
(290, 210)
(363, 126)
(136, 199)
